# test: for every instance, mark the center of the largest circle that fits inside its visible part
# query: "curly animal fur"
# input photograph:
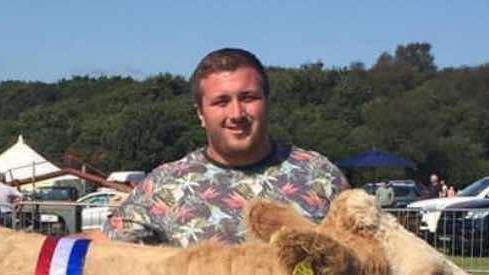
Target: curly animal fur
(264, 218)
(359, 251)
(355, 238)
(407, 254)
(326, 255)
(19, 252)
(376, 238)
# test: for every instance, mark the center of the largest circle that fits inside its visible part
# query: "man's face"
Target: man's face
(233, 112)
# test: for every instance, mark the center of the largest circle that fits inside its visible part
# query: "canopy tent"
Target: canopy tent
(21, 162)
(375, 159)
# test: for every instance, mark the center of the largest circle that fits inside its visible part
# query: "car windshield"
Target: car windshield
(403, 191)
(99, 200)
(475, 188)
(58, 194)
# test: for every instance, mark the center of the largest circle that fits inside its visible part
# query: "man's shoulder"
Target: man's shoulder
(298, 154)
(188, 163)
(317, 164)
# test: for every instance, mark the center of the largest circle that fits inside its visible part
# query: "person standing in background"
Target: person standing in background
(451, 192)
(435, 186)
(9, 196)
(385, 195)
(444, 189)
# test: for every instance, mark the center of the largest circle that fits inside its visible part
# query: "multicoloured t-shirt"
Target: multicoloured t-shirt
(196, 198)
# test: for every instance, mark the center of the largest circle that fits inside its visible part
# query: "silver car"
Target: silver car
(97, 206)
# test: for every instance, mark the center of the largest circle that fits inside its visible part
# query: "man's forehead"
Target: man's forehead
(237, 78)
(224, 72)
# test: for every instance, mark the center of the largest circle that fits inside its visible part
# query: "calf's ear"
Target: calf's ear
(314, 253)
(263, 218)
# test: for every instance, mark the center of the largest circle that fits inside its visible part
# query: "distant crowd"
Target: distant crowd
(439, 189)
(436, 188)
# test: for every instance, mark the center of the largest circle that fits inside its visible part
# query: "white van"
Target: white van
(127, 176)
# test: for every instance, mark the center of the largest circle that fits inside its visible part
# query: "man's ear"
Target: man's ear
(199, 114)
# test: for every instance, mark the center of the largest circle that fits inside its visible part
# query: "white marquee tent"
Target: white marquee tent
(20, 162)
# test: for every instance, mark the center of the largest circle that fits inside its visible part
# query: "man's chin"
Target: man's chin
(239, 149)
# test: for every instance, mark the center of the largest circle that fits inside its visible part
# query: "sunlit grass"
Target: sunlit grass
(475, 265)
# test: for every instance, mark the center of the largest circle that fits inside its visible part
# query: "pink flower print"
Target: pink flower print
(116, 222)
(235, 201)
(289, 189)
(148, 188)
(184, 215)
(181, 168)
(159, 208)
(303, 156)
(209, 194)
(312, 199)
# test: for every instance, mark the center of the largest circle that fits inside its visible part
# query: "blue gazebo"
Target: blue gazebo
(376, 159)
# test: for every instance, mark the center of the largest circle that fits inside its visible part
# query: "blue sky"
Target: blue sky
(52, 39)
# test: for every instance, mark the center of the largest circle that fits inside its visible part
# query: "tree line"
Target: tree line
(402, 104)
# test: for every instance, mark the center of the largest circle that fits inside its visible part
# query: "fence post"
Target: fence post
(78, 218)
(14, 218)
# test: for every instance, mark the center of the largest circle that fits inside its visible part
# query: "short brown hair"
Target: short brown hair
(226, 59)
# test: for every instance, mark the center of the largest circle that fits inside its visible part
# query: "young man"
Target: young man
(385, 194)
(202, 195)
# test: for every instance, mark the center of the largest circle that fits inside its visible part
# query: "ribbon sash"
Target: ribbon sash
(64, 256)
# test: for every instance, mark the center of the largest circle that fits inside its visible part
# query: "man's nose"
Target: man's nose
(238, 110)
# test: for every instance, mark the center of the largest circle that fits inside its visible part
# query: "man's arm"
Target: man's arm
(132, 222)
(330, 171)
(391, 196)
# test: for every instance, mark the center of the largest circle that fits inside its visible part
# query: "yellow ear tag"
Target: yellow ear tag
(303, 268)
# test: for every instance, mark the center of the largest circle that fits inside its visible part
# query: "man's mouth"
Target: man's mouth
(239, 129)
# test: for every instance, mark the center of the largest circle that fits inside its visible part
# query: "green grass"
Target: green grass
(475, 265)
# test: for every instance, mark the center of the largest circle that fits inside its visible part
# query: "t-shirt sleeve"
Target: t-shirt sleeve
(131, 222)
(337, 179)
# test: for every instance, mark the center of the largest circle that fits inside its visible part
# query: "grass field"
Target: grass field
(474, 265)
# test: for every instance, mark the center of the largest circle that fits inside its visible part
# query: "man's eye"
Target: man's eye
(221, 103)
(250, 98)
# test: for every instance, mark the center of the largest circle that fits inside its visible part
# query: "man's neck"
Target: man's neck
(241, 159)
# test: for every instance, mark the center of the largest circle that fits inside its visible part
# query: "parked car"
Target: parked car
(405, 192)
(432, 208)
(464, 227)
(97, 206)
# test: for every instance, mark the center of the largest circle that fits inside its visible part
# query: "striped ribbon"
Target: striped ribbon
(64, 256)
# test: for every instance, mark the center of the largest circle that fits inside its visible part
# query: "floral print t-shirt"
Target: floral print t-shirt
(196, 198)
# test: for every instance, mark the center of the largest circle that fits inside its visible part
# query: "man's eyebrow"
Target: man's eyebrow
(220, 97)
(250, 91)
